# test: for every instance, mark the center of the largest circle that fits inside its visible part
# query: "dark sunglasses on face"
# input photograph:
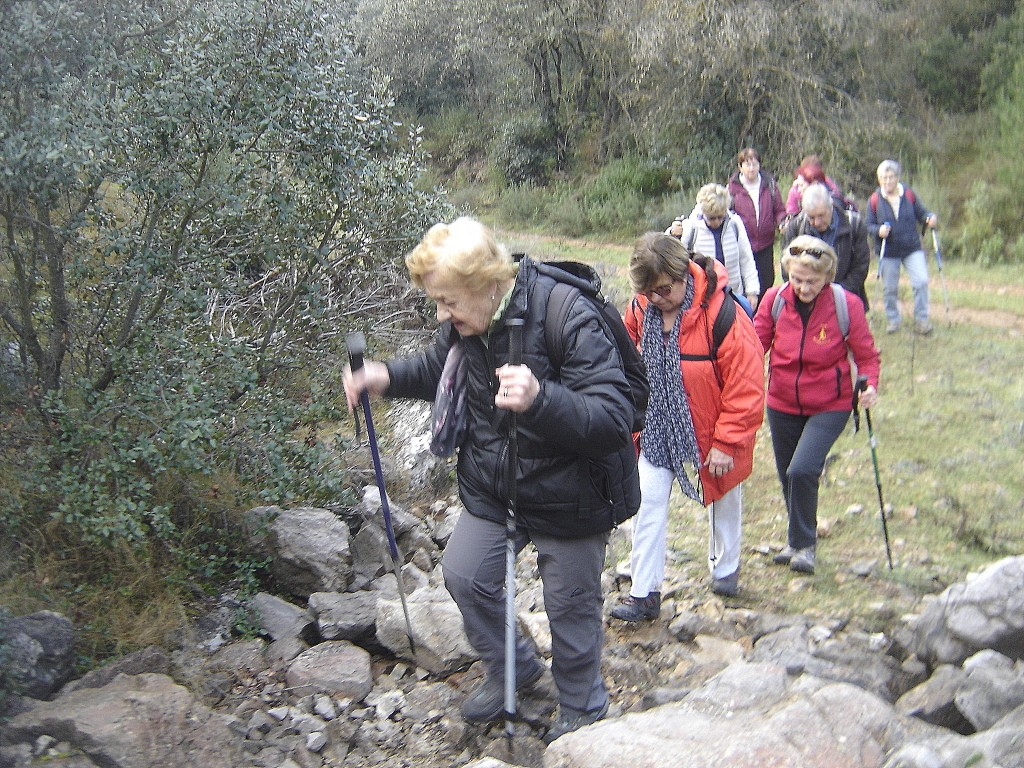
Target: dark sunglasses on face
(796, 250)
(662, 290)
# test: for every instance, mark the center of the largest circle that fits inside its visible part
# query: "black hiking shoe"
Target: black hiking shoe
(784, 555)
(638, 608)
(803, 561)
(569, 721)
(487, 701)
(727, 586)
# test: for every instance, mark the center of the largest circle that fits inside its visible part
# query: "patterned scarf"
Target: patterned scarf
(449, 410)
(668, 439)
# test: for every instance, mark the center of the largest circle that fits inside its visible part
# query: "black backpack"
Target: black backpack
(723, 322)
(577, 279)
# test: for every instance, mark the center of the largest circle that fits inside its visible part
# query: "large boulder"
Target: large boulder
(136, 721)
(985, 611)
(748, 716)
(308, 548)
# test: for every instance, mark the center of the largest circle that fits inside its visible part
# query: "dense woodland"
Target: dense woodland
(199, 197)
(608, 105)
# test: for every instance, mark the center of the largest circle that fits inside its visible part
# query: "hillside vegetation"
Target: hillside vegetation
(199, 198)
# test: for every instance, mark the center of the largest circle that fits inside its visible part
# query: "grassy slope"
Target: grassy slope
(950, 432)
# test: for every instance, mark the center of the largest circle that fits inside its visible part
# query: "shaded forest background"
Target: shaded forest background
(199, 198)
(588, 114)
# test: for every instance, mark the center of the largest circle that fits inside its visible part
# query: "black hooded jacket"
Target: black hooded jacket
(577, 473)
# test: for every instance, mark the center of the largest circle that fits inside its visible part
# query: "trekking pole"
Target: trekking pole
(356, 344)
(942, 277)
(515, 357)
(861, 385)
(878, 274)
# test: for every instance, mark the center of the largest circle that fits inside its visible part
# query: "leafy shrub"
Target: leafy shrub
(981, 239)
(521, 153)
(457, 137)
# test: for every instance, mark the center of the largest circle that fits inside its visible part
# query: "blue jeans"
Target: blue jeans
(917, 270)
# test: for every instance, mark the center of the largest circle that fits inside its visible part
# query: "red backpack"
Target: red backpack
(873, 200)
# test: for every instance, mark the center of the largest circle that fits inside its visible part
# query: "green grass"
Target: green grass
(949, 428)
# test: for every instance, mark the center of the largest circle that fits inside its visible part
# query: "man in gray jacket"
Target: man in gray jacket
(844, 230)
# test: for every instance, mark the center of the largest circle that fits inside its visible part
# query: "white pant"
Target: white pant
(650, 530)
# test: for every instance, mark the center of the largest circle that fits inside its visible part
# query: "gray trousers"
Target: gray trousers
(570, 570)
(801, 445)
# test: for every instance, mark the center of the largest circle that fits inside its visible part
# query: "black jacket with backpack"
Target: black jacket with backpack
(853, 256)
(577, 473)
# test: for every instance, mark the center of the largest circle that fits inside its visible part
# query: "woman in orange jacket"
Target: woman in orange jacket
(703, 415)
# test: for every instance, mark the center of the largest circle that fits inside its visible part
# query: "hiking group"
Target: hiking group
(569, 419)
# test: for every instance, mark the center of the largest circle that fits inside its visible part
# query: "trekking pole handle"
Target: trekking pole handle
(515, 344)
(859, 386)
(356, 344)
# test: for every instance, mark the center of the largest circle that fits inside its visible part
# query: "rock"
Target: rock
(279, 619)
(136, 721)
(344, 615)
(986, 611)
(934, 700)
(40, 652)
(308, 547)
(441, 643)
(993, 686)
(336, 667)
(748, 717)
(151, 659)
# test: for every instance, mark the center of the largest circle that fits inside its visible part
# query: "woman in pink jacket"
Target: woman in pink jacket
(810, 386)
(758, 203)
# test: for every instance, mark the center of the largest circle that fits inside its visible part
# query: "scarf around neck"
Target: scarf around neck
(668, 439)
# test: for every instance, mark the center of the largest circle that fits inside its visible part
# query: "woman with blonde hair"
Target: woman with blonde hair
(575, 478)
(810, 385)
(714, 231)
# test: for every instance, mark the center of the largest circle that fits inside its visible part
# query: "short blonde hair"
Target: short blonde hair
(714, 200)
(813, 253)
(463, 252)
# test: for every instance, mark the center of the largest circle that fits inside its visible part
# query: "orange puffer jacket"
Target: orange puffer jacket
(725, 415)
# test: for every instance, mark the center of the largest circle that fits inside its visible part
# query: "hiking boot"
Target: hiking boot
(487, 701)
(728, 586)
(923, 328)
(892, 328)
(638, 608)
(569, 721)
(803, 560)
(784, 556)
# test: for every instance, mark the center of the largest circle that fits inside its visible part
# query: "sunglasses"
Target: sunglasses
(662, 290)
(796, 250)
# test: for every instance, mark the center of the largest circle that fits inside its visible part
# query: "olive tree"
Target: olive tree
(198, 199)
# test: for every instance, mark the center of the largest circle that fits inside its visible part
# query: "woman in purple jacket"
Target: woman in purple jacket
(758, 203)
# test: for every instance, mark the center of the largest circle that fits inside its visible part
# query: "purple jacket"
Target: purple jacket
(761, 232)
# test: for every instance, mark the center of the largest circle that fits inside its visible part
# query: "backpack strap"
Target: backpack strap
(842, 308)
(873, 200)
(559, 302)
